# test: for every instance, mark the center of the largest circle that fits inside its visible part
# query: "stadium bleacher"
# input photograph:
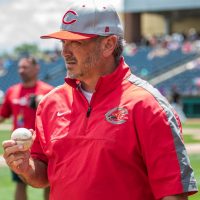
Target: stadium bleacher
(184, 82)
(146, 61)
(148, 68)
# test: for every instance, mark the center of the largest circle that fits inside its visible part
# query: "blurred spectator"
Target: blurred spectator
(21, 101)
(176, 103)
(192, 34)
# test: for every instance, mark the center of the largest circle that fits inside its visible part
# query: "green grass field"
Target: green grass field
(7, 186)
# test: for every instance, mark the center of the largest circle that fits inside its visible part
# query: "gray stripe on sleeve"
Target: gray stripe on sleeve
(187, 174)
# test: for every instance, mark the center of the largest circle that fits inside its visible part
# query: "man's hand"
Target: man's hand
(15, 156)
(32, 171)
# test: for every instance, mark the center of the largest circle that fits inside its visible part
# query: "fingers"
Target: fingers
(8, 143)
(18, 163)
(15, 162)
(14, 155)
(10, 146)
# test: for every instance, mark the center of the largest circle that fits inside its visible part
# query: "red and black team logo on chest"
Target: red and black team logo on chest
(117, 115)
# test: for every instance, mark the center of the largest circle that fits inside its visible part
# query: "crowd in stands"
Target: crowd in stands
(151, 56)
(162, 44)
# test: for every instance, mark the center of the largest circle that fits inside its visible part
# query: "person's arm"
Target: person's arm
(176, 197)
(36, 175)
(32, 171)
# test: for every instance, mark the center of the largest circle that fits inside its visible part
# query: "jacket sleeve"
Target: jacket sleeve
(160, 135)
(6, 109)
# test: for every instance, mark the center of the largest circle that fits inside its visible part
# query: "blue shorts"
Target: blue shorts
(16, 178)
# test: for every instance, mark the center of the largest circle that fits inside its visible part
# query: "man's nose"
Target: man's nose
(66, 51)
(20, 70)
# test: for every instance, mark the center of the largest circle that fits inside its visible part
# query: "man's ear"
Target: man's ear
(109, 44)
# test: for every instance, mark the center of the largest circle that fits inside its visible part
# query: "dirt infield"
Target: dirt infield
(5, 127)
(193, 120)
(193, 148)
(194, 132)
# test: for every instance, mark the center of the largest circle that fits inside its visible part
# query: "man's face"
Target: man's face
(27, 70)
(82, 58)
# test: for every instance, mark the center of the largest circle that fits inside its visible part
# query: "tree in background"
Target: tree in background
(26, 49)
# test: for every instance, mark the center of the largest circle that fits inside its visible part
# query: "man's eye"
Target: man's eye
(76, 43)
(71, 43)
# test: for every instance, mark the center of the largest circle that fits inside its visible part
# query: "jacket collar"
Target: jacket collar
(121, 72)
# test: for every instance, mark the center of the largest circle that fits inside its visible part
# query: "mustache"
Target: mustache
(70, 59)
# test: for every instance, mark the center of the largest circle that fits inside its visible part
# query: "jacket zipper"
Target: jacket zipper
(89, 106)
(88, 111)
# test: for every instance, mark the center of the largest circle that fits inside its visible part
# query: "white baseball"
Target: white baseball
(22, 136)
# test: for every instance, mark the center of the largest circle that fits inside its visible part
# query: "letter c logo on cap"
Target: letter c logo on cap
(64, 19)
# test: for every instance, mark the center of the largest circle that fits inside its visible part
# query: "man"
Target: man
(104, 134)
(20, 102)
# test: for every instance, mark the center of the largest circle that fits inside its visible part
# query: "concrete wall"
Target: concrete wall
(148, 24)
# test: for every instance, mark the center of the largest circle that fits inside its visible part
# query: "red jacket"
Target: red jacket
(125, 145)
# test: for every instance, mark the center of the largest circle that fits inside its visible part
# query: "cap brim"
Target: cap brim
(66, 35)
